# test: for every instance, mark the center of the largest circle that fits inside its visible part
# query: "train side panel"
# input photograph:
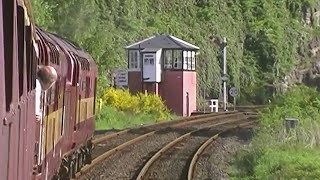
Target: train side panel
(16, 150)
(52, 128)
(67, 126)
(3, 129)
(26, 68)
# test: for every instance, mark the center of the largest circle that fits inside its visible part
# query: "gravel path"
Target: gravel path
(215, 161)
(174, 164)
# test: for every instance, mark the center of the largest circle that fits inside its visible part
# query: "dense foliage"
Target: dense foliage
(109, 117)
(280, 154)
(266, 40)
(122, 100)
(263, 36)
(119, 109)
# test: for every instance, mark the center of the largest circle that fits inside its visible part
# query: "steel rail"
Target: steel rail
(156, 156)
(198, 119)
(182, 121)
(197, 155)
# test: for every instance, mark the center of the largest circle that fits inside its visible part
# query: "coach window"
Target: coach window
(85, 62)
(83, 87)
(95, 95)
(51, 53)
(21, 37)
(8, 10)
(80, 63)
(88, 64)
(53, 93)
(76, 70)
(57, 93)
(88, 86)
(31, 61)
(56, 53)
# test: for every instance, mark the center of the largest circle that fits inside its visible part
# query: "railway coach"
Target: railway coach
(47, 99)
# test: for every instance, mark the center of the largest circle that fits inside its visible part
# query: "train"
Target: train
(47, 99)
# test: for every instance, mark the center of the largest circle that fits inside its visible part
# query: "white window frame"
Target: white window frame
(185, 60)
(134, 60)
(189, 60)
(193, 61)
(147, 59)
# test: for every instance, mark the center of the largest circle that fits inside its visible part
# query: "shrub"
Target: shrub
(278, 163)
(153, 104)
(276, 154)
(141, 103)
(120, 99)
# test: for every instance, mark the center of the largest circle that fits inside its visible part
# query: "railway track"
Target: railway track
(201, 149)
(110, 141)
(162, 133)
(239, 108)
(173, 155)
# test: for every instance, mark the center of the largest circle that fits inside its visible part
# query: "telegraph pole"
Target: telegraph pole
(225, 76)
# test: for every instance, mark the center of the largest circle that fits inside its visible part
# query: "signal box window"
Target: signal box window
(134, 60)
(167, 59)
(177, 56)
(189, 60)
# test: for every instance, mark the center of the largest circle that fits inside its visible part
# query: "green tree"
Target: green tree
(263, 36)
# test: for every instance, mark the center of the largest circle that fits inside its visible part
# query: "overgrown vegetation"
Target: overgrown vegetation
(266, 40)
(263, 36)
(280, 154)
(120, 109)
(111, 118)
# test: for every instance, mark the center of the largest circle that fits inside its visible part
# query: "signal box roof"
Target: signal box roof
(163, 41)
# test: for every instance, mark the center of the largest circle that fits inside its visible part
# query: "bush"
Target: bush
(278, 163)
(141, 103)
(277, 154)
(121, 100)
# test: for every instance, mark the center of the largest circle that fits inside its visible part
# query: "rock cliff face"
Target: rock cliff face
(307, 68)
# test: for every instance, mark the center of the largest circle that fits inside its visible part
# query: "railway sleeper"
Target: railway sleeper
(72, 163)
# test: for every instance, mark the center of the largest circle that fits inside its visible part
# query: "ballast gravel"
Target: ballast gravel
(216, 159)
(174, 164)
(127, 163)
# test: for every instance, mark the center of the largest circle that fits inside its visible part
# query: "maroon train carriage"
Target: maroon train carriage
(17, 95)
(75, 128)
(47, 124)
